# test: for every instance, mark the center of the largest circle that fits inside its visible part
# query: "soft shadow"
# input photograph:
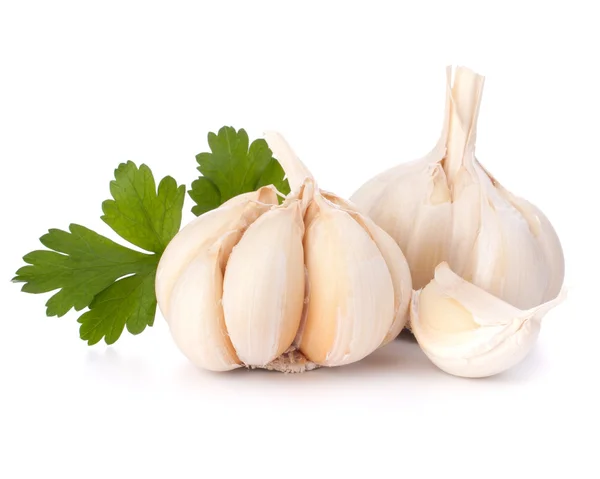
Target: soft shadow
(111, 365)
(401, 360)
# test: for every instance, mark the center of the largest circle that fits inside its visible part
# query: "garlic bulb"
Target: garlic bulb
(307, 283)
(497, 260)
(447, 207)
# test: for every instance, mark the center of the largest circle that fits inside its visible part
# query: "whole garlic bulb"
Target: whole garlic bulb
(446, 210)
(447, 207)
(307, 283)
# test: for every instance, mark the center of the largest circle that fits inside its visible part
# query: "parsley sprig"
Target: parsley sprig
(90, 270)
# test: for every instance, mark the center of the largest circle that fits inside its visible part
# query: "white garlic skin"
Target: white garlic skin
(447, 207)
(245, 283)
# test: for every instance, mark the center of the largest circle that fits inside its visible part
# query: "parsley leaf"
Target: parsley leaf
(233, 167)
(82, 264)
(138, 214)
(90, 270)
(130, 301)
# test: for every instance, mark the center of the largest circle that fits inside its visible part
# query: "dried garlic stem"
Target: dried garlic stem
(465, 98)
(296, 172)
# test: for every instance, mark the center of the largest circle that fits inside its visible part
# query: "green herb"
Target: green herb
(233, 167)
(90, 270)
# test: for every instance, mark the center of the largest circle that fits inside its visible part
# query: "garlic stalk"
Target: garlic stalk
(310, 282)
(487, 265)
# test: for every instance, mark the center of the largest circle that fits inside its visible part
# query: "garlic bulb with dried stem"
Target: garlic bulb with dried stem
(290, 287)
(446, 211)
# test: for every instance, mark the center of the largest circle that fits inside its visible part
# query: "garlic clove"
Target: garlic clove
(203, 231)
(395, 260)
(400, 274)
(351, 302)
(517, 271)
(547, 239)
(468, 332)
(263, 294)
(195, 314)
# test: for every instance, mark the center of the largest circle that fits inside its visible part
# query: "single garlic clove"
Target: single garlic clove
(547, 239)
(400, 274)
(202, 232)
(263, 294)
(517, 271)
(195, 314)
(468, 332)
(395, 260)
(351, 302)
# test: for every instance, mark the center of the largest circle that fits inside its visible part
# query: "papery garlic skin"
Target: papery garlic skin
(447, 207)
(468, 332)
(286, 287)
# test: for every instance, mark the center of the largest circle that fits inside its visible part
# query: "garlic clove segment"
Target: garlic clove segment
(400, 274)
(351, 304)
(548, 240)
(195, 314)
(263, 293)
(446, 207)
(335, 333)
(394, 259)
(202, 232)
(468, 332)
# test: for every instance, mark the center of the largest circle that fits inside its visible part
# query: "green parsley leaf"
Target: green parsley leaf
(206, 196)
(82, 264)
(233, 167)
(138, 214)
(130, 301)
(90, 270)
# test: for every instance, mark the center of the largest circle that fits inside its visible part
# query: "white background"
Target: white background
(355, 87)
